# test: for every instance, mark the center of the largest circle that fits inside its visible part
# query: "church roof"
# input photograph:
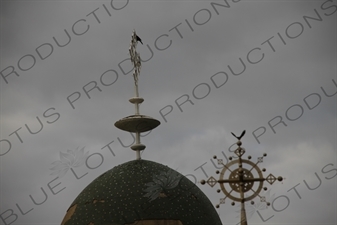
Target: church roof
(141, 190)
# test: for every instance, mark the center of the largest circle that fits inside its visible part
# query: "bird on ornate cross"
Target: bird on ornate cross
(242, 183)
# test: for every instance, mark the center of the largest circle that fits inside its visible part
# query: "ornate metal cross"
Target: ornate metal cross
(243, 183)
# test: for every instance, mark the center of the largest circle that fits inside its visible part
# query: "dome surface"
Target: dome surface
(141, 192)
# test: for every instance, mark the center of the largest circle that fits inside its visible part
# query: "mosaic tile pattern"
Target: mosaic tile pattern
(117, 197)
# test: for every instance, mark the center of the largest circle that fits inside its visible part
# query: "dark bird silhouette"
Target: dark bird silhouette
(138, 39)
(242, 134)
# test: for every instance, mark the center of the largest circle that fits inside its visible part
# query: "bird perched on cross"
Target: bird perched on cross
(242, 134)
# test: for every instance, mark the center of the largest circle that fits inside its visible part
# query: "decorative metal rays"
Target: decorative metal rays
(243, 183)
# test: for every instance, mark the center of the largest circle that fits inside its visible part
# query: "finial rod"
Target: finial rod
(136, 123)
(137, 103)
(135, 59)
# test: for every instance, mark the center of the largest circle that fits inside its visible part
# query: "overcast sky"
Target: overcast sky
(210, 68)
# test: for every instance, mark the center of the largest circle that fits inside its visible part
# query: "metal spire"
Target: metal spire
(135, 59)
(136, 123)
(241, 181)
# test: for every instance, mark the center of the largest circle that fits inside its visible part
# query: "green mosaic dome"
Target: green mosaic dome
(139, 191)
